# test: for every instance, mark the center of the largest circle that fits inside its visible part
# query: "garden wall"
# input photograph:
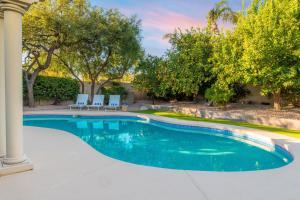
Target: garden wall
(133, 94)
(241, 116)
(50, 102)
(255, 96)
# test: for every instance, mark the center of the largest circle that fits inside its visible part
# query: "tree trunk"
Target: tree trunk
(277, 100)
(99, 90)
(153, 100)
(31, 102)
(93, 83)
(82, 87)
(30, 83)
(214, 28)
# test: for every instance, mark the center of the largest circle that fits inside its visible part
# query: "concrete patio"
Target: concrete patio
(67, 168)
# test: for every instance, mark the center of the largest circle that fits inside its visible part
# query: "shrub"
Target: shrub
(114, 89)
(240, 91)
(292, 95)
(54, 88)
(220, 96)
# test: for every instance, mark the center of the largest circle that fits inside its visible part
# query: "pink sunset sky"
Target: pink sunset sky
(160, 17)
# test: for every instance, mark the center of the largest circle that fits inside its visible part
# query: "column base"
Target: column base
(6, 169)
(2, 156)
(14, 161)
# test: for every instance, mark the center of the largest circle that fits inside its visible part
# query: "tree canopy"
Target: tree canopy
(221, 11)
(99, 46)
(109, 47)
(93, 44)
(187, 67)
(48, 26)
(262, 49)
(147, 76)
(270, 32)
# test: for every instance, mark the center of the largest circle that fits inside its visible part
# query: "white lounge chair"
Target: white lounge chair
(81, 102)
(114, 102)
(98, 102)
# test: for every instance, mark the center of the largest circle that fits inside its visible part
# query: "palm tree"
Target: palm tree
(220, 11)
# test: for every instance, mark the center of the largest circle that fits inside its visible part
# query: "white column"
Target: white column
(13, 12)
(2, 90)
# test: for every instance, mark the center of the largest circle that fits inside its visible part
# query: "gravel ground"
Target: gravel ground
(257, 110)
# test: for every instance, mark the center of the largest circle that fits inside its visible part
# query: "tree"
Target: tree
(271, 41)
(220, 94)
(187, 66)
(220, 11)
(147, 76)
(109, 47)
(47, 26)
(226, 67)
(71, 61)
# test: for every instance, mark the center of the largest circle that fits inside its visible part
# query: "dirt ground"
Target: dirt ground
(254, 109)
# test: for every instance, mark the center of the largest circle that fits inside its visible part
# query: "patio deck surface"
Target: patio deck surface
(67, 168)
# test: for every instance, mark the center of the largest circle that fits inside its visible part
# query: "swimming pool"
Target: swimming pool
(158, 144)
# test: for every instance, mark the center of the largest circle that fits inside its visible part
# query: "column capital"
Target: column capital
(1, 14)
(19, 6)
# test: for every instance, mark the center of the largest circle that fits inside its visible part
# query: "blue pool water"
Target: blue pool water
(157, 144)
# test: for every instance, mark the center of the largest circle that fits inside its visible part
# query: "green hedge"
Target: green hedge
(53, 88)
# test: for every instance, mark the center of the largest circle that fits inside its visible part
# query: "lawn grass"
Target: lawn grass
(283, 131)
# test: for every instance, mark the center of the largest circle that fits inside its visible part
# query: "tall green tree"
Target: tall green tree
(271, 41)
(147, 76)
(109, 47)
(220, 11)
(48, 26)
(187, 66)
(226, 67)
(68, 59)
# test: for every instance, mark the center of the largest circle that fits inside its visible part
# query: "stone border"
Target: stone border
(293, 124)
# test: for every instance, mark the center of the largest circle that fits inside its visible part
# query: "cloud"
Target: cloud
(158, 21)
(160, 17)
(164, 20)
(167, 21)
(158, 38)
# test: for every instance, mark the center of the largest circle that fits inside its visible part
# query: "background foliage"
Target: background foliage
(54, 88)
(114, 89)
(270, 32)
(187, 67)
(261, 50)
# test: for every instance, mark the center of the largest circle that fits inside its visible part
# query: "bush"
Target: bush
(292, 95)
(220, 96)
(53, 88)
(114, 89)
(240, 91)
